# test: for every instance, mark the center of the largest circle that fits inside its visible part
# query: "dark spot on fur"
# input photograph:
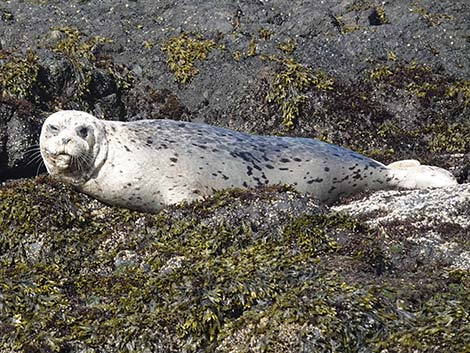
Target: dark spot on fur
(269, 166)
(174, 160)
(297, 160)
(127, 148)
(316, 180)
(246, 156)
(327, 169)
(284, 160)
(283, 168)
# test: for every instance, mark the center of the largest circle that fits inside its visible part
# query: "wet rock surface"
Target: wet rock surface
(263, 270)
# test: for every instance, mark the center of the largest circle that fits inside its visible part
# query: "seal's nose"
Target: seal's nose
(66, 140)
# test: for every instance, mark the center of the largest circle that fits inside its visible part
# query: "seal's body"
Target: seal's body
(147, 164)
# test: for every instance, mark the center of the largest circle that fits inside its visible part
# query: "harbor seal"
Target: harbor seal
(145, 165)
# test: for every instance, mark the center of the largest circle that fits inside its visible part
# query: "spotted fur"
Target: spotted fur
(147, 164)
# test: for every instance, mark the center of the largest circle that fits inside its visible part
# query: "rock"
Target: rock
(19, 134)
(433, 224)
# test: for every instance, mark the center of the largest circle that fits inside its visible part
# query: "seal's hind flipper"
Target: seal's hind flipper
(411, 174)
(404, 164)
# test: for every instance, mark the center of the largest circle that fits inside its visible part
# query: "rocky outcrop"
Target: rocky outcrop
(431, 224)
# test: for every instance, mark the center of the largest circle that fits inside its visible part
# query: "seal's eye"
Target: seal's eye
(82, 132)
(53, 129)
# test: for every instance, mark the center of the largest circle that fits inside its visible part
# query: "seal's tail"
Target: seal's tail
(410, 174)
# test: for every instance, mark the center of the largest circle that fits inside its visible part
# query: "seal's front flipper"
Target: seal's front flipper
(411, 174)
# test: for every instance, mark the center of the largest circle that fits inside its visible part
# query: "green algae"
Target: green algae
(265, 33)
(87, 63)
(81, 277)
(252, 48)
(432, 19)
(183, 52)
(288, 47)
(450, 138)
(343, 27)
(442, 137)
(290, 86)
(18, 74)
(422, 81)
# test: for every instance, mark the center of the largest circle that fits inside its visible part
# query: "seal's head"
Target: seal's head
(73, 145)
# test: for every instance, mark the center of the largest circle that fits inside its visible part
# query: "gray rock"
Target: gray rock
(434, 224)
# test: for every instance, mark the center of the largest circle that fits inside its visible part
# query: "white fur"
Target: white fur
(412, 174)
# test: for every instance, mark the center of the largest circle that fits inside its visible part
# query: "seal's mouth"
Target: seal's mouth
(62, 161)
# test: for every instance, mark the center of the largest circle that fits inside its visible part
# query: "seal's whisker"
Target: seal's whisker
(39, 167)
(31, 150)
(34, 146)
(34, 160)
(79, 163)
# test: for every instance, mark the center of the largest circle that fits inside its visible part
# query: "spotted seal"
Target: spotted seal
(147, 164)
